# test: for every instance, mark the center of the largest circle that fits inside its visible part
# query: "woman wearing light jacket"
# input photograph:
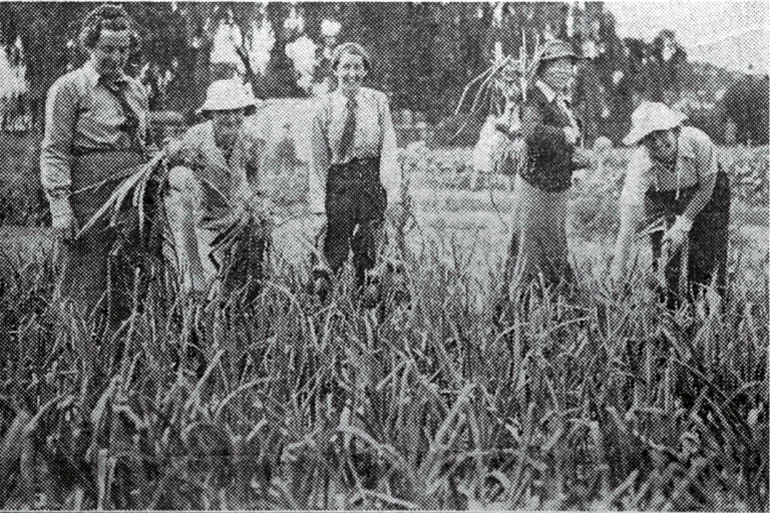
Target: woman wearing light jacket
(355, 177)
(674, 176)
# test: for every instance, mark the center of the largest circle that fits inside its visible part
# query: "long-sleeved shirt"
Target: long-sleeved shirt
(374, 137)
(696, 165)
(82, 113)
(225, 182)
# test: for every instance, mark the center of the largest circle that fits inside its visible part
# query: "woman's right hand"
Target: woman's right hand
(63, 220)
(571, 134)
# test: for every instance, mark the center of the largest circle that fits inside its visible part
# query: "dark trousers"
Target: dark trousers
(707, 256)
(94, 275)
(355, 213)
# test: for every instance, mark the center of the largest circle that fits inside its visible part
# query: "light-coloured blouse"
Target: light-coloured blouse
(696, 159)
(80, 112)
(374, 137)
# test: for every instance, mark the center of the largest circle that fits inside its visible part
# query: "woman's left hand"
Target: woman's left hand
(677, 234)
(675, 237)
(394, 215)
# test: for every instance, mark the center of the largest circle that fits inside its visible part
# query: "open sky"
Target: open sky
(727, 33)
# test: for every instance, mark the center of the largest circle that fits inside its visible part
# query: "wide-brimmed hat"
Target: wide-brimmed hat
(650, 117)
(557, 49)
(229, 94)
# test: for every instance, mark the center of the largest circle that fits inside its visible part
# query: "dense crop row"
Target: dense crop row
(603, 400)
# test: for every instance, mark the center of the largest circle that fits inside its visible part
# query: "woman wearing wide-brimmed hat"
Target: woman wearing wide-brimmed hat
(355, 177)
(95, 136)
(551, 133)
(674, 179)
(214, 177)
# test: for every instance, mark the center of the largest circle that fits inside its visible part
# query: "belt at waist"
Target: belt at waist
(91, 169)
(358, 168)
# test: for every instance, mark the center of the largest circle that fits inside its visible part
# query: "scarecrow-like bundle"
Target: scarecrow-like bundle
(500, 148)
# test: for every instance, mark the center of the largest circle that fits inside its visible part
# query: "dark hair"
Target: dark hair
(352, 48)
(107, 17)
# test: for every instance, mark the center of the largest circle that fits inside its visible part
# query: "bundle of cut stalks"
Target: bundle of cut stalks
(239, 251)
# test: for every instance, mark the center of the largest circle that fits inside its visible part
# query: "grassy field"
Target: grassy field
(604, 402)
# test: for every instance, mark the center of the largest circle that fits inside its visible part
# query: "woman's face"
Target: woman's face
(662, 145)
(558, 73)
(227, 124)
(350, 72)
(111, 52)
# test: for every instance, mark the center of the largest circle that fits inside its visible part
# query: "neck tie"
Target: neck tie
(131, 124)
(349, 131)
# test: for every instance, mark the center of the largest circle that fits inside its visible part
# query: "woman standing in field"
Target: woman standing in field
(95, 135)
(674, 177)
(551, 134)
(355, 176)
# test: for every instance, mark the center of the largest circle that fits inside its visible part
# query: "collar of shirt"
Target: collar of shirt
(93, 76)
(339, 98)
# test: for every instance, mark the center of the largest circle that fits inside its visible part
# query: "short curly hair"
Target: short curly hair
(352, 48)
(109, 17)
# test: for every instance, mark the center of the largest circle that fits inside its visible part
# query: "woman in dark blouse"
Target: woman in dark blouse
(539, 242)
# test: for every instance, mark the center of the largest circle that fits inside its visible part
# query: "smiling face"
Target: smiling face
(662, 145)
(227, 124)
(558, 73)
(350, 72)
(111, 51)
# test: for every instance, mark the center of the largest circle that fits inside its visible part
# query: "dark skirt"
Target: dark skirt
(88, 264)
(707, 255)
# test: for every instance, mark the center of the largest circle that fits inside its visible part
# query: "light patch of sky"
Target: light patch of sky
(728, 33)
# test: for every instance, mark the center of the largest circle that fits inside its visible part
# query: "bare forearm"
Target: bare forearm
(701, 198)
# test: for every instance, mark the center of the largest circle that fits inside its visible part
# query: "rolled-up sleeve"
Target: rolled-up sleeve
(708, 166)
(56, 155)
(390, 169)
(319, 162)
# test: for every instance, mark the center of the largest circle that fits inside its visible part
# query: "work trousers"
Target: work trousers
(355, 214)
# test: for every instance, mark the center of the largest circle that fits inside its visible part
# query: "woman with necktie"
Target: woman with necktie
(95, 135)
(551, 133)
(355, 176)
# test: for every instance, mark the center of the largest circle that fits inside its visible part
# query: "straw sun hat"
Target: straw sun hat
(557, 49)
(228, 94)
(650, 117)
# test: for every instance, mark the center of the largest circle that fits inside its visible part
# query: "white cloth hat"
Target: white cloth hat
(229, 94)
(650, 117)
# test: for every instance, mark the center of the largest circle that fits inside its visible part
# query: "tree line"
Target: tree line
(424, 53)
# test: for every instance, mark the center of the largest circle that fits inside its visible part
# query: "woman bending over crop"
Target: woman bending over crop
(214, 185)
(675, 180)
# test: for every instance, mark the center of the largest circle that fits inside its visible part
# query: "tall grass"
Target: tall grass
(599, 401)
(604, 402)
